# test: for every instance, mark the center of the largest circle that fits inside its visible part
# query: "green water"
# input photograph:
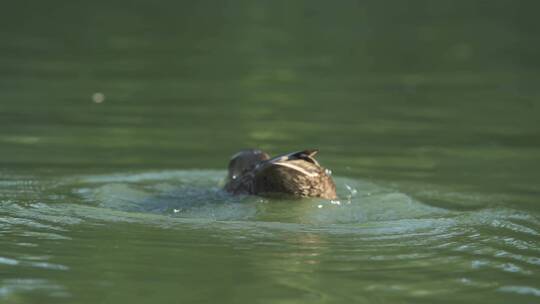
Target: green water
(427, 112)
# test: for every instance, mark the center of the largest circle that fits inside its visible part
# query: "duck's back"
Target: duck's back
(297, 177)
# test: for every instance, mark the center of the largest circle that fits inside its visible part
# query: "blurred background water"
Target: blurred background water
(117, 120)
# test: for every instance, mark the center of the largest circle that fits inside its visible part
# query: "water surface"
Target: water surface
(117, 122)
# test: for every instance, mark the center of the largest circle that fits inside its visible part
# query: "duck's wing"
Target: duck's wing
(307, 155)
(296, 173)
(302, 162)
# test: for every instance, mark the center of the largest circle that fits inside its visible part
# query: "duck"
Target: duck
(296, 174)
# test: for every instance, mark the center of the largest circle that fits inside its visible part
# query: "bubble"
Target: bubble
(98, 97)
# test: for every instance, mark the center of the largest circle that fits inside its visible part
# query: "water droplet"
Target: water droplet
(351, 190)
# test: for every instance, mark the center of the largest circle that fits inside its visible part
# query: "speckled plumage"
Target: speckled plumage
(297, 174)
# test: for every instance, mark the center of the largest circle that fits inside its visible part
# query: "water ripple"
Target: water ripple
(523, 290)
(387, 234)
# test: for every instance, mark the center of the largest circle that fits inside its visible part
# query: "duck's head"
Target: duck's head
(245, 161)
